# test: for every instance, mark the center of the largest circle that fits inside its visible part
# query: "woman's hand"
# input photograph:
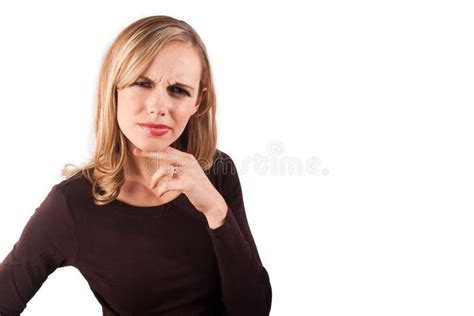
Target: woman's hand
(190, 179)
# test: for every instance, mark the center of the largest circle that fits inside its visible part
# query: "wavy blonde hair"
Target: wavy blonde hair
(128, 57)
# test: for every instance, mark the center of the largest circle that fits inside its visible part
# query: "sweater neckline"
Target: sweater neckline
(152, 207)
(124, 207)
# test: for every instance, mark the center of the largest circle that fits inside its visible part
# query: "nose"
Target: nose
(156, 102)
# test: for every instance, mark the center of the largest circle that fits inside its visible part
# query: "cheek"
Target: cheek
(127, 106)
(124, 114)
(183, 114)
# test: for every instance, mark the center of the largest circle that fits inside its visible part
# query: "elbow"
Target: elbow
(252, 302)
(263, 303)
(266, 302)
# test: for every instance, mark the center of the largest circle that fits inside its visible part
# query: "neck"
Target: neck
(138, 169)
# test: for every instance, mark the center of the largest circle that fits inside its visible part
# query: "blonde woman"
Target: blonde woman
(155, 221)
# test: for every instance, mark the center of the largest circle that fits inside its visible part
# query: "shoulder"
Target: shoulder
(75, 188)
(223, 164)
(72, 183)
(54, 211)
(223, 172)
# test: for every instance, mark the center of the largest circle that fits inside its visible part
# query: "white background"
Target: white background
(381, 92)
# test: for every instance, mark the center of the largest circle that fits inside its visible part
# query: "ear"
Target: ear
(199, 99)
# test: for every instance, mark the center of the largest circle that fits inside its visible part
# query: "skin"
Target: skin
(148, 175)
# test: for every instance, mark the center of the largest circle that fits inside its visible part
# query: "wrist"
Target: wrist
(215, 217)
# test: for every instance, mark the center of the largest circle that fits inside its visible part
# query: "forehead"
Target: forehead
(176, 61)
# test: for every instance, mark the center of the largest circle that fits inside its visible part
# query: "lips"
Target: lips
(153, 125)
(155, 129)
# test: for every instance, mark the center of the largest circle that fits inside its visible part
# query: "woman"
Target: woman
(155, 221)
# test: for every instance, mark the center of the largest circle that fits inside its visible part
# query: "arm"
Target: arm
(246, 288)
(46, 243)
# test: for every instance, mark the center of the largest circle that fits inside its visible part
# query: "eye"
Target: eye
(178, 90)
(142, 84)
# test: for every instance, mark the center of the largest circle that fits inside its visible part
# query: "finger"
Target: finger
(169, 184)
(162, 172)
(170, 155)
(167, 151)
(174, 151)
(161, 155)
(157, 176)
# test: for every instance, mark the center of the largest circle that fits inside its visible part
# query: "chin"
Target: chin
(155, 147)
(154, 144)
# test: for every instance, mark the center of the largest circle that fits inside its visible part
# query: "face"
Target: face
(166, 93)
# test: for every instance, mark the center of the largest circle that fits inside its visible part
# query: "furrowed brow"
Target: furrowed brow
(176, 82)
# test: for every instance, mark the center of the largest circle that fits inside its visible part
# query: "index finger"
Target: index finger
(167, 155)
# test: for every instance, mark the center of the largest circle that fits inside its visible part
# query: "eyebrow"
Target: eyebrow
(176, 83)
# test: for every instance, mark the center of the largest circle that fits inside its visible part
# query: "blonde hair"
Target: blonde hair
(127, 58)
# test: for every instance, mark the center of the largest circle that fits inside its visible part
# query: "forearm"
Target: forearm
(246, 289)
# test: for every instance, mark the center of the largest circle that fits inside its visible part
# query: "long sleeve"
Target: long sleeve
(46, 243)
(246, 288)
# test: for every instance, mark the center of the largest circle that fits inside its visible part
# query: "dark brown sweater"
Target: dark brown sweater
(155, 260)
